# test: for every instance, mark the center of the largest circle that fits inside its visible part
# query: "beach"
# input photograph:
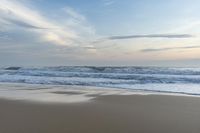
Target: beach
(103, 114)
(99, 66)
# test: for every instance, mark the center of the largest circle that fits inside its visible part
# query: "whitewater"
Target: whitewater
(150, 79)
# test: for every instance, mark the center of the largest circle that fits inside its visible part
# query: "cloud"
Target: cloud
(17, 14)
(4, 35)
(89, 47)
(168, 48)
(168, 36)
(23, 24)
(108, 2)
(150, 36)
(73, 14)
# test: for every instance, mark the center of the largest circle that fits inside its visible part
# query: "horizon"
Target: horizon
(100, 33)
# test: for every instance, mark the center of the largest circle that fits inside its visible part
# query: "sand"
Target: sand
(104, 114)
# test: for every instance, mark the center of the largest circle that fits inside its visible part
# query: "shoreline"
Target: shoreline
(70, 93)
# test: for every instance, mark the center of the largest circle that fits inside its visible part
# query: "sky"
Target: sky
(100, 33)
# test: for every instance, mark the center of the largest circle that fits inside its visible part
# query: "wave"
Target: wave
(116, 77)
(125, 70)
(12, 68)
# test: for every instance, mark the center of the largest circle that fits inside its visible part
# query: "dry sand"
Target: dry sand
(105, 114)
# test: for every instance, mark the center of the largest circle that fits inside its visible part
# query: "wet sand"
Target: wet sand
(104, 114)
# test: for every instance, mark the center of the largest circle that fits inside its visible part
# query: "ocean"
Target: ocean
(151, 79)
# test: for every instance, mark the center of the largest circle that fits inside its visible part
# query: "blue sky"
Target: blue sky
(100, 32)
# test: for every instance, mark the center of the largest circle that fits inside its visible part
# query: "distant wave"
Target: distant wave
(116, 77)
(12, 68)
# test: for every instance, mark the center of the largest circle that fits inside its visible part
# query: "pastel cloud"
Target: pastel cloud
(169, 48)
(15, 14)
(151, 36)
